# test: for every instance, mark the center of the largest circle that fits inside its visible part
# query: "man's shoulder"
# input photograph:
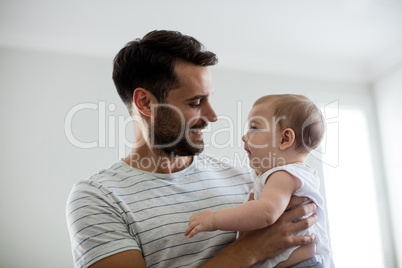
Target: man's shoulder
(117, 172)
(99, 186)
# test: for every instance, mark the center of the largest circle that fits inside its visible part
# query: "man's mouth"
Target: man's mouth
(196, 131)
(197, 134)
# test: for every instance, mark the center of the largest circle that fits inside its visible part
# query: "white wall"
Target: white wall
(39, 165)
(388, 96)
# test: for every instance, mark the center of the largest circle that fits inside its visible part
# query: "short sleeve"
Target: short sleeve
(97, 224)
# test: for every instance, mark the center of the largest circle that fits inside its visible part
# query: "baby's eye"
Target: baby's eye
(253, 128)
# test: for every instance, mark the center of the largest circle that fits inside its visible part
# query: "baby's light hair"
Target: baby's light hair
(301, 115)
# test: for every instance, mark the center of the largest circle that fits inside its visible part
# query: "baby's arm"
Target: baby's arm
(252, 215)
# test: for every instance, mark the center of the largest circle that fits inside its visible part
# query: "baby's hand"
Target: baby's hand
(200, 222)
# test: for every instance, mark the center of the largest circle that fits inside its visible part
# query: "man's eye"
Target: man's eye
(195, 105)
(253, 128)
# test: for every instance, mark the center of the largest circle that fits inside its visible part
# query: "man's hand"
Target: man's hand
(200, 222)
(296, 201)
(282, 234)
(256, 246)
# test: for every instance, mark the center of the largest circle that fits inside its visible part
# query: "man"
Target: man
(134, 213)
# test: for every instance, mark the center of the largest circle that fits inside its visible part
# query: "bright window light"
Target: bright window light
(351, 196)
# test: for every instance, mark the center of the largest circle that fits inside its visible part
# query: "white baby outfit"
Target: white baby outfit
(309, 188)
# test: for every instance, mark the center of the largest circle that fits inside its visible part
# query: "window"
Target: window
(353, 217)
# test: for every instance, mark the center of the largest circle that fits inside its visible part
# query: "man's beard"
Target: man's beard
(169, 134)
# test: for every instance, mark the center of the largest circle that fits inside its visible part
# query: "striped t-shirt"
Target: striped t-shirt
(123, 208)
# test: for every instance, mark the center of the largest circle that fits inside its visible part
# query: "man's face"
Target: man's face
(178, 123)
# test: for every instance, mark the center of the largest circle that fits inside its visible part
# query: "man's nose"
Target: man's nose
(209, 113)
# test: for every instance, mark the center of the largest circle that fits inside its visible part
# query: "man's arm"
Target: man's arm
(128, 258)
(251, 247)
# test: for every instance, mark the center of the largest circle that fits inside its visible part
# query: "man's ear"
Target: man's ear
(143, 99)
(287, 139)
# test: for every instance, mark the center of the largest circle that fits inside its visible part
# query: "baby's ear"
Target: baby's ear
(287, 139)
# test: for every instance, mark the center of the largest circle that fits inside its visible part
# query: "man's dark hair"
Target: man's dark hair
(149, 63)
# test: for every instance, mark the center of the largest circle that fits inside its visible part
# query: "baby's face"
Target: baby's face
(262, 138)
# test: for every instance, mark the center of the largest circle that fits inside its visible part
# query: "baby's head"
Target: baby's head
(298, 113)
(283, 129)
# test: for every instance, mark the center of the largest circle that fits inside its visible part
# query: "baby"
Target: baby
(283, 129)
